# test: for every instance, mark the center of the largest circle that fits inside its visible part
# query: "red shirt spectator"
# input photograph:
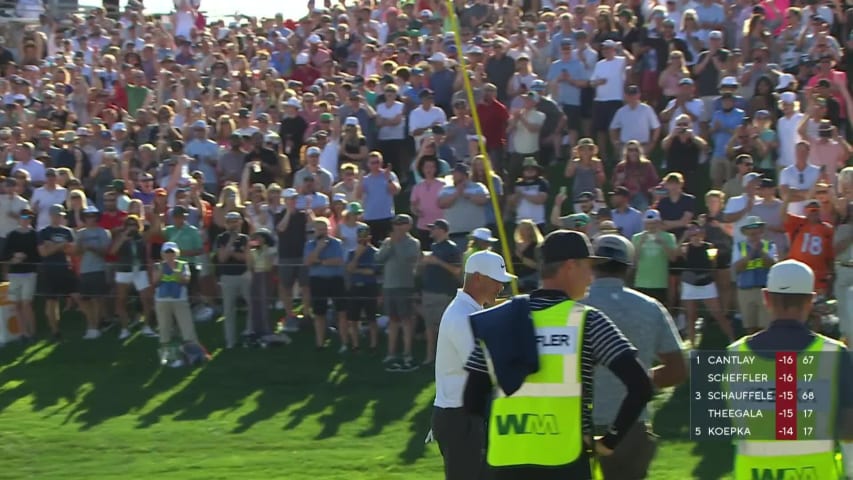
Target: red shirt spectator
(494, 118)
(112, 219)
(304, 73)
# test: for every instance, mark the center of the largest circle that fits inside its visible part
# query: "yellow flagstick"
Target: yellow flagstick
(481, 140)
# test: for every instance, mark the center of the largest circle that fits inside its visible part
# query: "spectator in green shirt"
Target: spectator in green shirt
(655, 248)
(137, 92)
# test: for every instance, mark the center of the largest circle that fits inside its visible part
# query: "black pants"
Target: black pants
(461, 440)
(632, 456)
(379, 230)
(394, 153)
(424, 237)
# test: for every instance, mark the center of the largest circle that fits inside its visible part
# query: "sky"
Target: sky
(218, 8)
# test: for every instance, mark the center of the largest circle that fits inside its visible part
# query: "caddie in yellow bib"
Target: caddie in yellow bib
(824, 384)
(538, 352)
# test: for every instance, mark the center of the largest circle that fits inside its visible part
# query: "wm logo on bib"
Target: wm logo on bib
(557, 340)
(804, 473)
(527, 424)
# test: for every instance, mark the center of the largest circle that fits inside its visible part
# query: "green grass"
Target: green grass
(96, 409)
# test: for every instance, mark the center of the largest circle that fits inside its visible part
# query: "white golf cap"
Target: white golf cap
(483, 234)
(351, 121)
(791, 277)
(651, 215)
(302, 58)
(729, 82)
(293, 102)
(119, 127)
(489, 264)
(788, 97)
(750, 177)
(785, 81)
(170, 247)
(289, 193)
(314, 38)
(438, 57)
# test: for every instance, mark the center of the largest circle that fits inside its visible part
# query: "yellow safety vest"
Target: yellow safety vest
(755, 263)
(540, 424)
(795, 459)
(176, 274)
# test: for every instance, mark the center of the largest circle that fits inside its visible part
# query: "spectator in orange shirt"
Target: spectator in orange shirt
(811, 242)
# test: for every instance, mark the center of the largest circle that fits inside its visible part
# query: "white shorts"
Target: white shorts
(138, 278)
(22, 287)
(698, 292)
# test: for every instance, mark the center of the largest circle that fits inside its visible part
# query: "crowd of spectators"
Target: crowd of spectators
(330, 168)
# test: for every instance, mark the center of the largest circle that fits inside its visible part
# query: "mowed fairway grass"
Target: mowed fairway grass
(97, 409)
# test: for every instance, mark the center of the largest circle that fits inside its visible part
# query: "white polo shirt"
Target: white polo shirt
(455, 344)
(614, 72)
(420, 118)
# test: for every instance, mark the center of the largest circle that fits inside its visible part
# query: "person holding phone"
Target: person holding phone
(829, 151)
(324, 257)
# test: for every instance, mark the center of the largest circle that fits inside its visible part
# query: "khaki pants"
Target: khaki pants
(844, 294)
(751, 304)
(171, 312)
(233, 287)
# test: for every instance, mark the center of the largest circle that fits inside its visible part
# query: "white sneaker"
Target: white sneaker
(92, 334)
(123, 334)
(177, 363)
(147, 331)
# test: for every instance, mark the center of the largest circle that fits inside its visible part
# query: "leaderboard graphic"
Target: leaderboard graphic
(761, 396)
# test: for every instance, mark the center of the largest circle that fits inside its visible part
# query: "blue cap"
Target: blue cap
(566, 42)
